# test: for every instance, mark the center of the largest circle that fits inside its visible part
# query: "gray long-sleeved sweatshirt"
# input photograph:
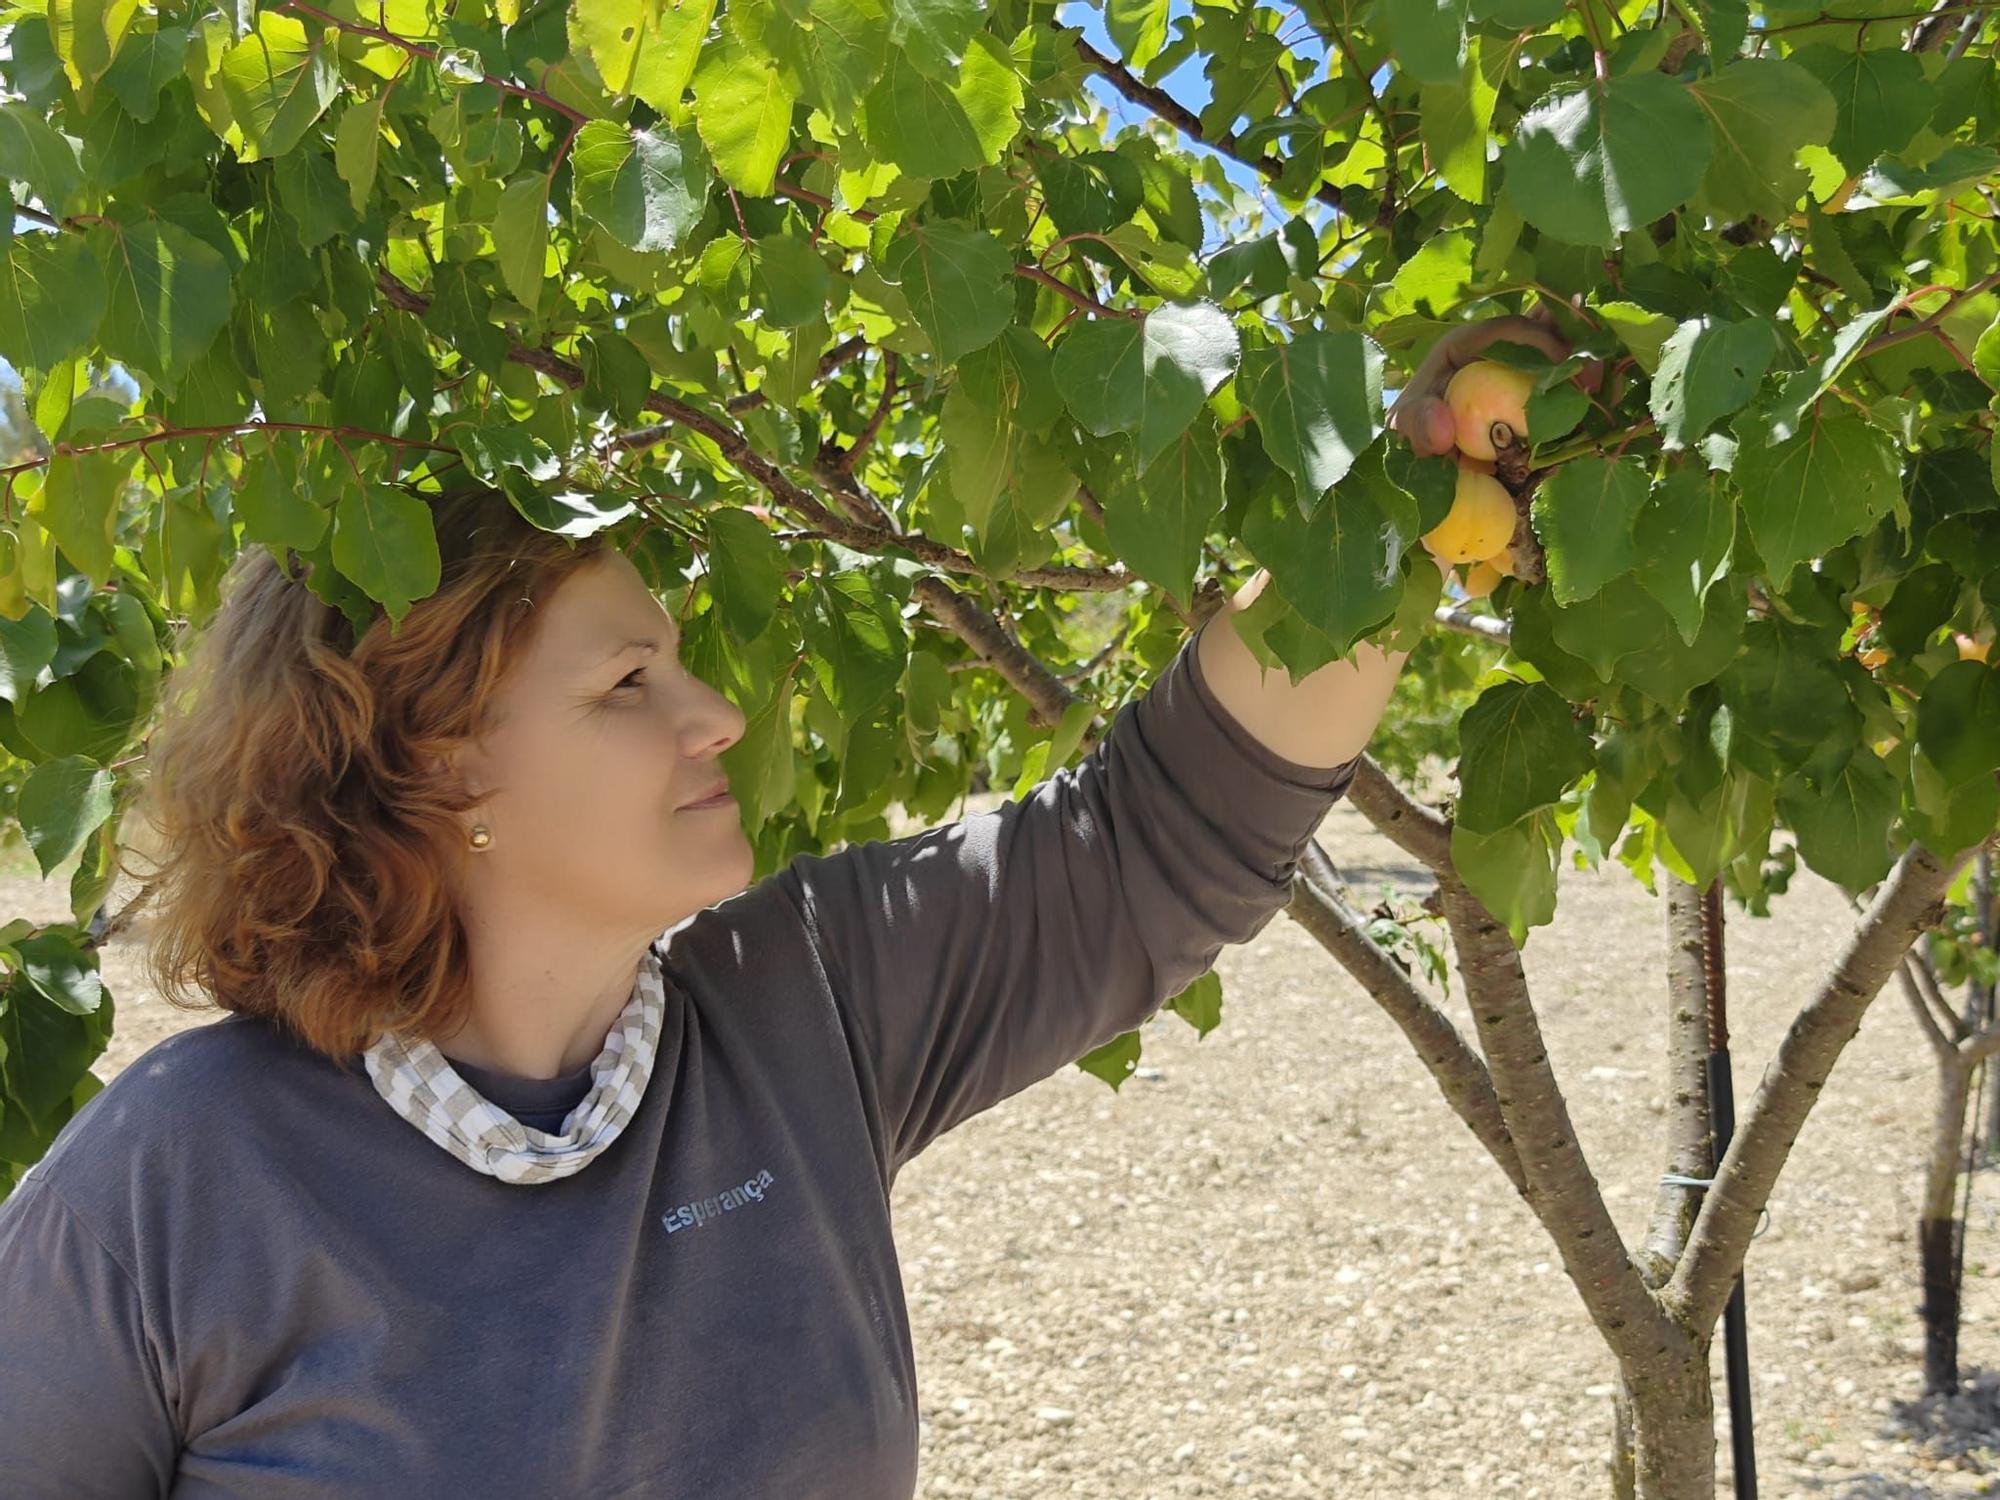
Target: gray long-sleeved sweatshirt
(238, 1272)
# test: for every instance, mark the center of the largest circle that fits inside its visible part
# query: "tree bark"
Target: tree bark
(1673, 1432)
(1909, 900)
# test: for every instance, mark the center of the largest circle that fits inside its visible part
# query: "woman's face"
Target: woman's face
(598, 746)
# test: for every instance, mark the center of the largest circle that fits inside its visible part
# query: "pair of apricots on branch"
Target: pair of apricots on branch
(1489, 416)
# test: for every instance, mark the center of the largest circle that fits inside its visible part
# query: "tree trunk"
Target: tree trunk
(1624, 1482)
(1673, 1433)
(1663, 1439)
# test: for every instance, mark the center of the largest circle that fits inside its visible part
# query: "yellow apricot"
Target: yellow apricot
(1481, 578)
(1504, 562)
(1489, 407)
(1970, 649)
(1873, 657)
(1479, 523)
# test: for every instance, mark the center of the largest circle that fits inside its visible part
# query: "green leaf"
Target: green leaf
(1643, 333)
(273, 508)
(931, 128)
(168, 295)
(1139, 27)
(647, 48)
(858, 642)
(357, 141)
(52, 297)
(936, 35)
(27, 645)
(1785, 692)
(762, 764)
(384, 541)
(80, 497)
(1157, 521)
(61, 972)
(521, 236)
(1338, 568)
(1512, 870)
(1015, 374)
(746, 571)
(87, 35)
(743, 108)
(1880, 98)
(1200, 1004)
(1722, 24)
(1584, 516)
(309, 189)
(957, 280)
(1519, 15)
(278, 81)
(1843, 826)
(1435, 277)
(1455, 120)
(1806, 495)
(1761, 110)
(61, 804)
(837, 50)
(146, 63)
(1781, 416)
(1146, 376)
(1520, 748)
(1586, 164)
(1682, 541)
(1427, 37)
(49, 162)
(1708, 369)
(1948, 819)
(646, 190)
(1958, 721)
(1986, 354)
(1318, 404)
(1115, 1061)
(789, 281)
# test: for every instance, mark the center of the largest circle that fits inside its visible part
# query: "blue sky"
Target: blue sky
(1186, 85)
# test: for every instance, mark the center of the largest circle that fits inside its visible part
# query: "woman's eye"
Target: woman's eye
(626, 680)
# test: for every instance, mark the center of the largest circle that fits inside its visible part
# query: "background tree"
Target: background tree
(898, 354)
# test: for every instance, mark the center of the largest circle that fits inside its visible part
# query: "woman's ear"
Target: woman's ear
(472, 767)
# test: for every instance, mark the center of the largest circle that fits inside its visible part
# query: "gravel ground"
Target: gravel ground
(1276, 1264)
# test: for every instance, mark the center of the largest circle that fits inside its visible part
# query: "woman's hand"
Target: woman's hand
(1420, 415)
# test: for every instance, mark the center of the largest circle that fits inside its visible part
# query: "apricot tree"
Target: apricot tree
(946, 361)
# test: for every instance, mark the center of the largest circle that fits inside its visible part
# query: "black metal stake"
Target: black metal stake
(1722, 1126)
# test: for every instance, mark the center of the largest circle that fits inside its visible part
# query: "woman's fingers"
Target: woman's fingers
(1436, 433)
(1510, 329)
(1423, 421)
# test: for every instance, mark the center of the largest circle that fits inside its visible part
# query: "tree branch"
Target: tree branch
(1933, 1032)
(1421, 832)
(849, 533)
(1562, 1191)
(1048, 698)
(1318, 906)
(1460, 618)
(1159, 102)
(1689, 1147)
(1909, 900)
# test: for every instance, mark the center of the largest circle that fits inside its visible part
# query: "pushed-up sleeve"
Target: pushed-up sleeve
(84, 1413)
(974, 958)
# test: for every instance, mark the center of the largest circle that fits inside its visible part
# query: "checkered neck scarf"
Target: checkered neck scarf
(422, 1086)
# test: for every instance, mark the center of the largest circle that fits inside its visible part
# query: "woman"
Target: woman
(537, 1156)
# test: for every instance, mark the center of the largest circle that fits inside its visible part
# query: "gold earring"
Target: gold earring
(481, 835)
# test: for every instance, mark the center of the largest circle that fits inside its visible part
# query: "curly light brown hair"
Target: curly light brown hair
(300, 809)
